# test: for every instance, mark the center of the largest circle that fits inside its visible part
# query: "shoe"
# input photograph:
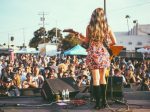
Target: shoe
(103, 93)
(96, 93)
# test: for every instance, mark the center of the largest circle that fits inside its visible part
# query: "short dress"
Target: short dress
(98, 56)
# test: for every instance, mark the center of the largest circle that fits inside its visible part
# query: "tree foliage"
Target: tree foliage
(52, 33)
(41, 36)
(37, 37)
(69, 41)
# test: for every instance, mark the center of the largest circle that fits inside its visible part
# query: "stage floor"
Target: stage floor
(38, 104)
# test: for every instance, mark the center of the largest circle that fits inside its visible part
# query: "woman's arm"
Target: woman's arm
(82, 38)
(33, 84)
(25, 84)
(78, 35)
(112, 37)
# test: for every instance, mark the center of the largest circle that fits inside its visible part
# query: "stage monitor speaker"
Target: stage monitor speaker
(115, 87)
(52, 87)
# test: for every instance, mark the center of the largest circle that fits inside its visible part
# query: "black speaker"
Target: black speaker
(52, 87)
(115, 87)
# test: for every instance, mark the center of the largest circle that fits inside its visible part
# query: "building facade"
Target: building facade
(138, 37)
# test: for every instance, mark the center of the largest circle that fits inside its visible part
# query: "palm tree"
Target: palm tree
(128, 17)
(136, 25)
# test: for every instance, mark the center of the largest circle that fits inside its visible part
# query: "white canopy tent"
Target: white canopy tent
(27, 51)
(143, 50)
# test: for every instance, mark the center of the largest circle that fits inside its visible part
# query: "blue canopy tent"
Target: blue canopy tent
(77, 50)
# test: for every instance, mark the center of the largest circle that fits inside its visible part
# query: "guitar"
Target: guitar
(79, 35)
(71, 31)
(113, 50)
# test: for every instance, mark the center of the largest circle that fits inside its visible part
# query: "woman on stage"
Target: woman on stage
(98, 58)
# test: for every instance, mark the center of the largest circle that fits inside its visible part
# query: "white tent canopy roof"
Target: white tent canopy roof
(27, 51)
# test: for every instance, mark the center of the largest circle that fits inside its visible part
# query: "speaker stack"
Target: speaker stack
(115, 87)
(53, 87)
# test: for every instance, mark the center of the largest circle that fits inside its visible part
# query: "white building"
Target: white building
(48, 49)
(138, 37)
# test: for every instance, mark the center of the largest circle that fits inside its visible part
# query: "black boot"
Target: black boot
(103, 94)
(96, 93)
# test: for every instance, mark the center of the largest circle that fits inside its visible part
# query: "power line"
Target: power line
(128, 7)
(81, 21)
(17, 29)
(119, 9)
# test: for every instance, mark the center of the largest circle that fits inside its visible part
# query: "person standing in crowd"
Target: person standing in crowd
(61, 69)
(9, 88)
(98, 58)
(37, 76)
(29, 82)
(118, 73)
(130, 77)
(145, 85)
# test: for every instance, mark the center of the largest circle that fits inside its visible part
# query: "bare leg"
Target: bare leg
(102, 72)
(96, 77)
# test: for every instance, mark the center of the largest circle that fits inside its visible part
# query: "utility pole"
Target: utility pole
(105, 7)
(8, 41)
(23, 37)
(42, 14)
(56, 29)
(105, 12)
(56, 32)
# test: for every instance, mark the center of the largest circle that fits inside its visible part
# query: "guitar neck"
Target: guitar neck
(70, 31)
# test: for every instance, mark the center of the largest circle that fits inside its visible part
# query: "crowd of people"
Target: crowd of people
(30, 71)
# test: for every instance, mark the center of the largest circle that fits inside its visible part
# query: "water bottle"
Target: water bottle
(67, 94)
(63, 95)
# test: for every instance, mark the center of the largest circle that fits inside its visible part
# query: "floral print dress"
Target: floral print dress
(98, 56)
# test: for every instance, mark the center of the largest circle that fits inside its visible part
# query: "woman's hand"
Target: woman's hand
(78, 35)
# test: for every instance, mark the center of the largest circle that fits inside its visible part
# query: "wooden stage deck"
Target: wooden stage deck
(38, 104)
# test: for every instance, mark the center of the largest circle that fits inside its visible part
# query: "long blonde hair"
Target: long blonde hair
(97, 26)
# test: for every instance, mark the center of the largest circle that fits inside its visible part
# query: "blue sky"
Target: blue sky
(20, 18)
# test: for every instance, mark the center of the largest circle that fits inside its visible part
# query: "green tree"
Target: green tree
(70, 41)
(41, 36)
(52, 33)
(55, 36)
(37, 37)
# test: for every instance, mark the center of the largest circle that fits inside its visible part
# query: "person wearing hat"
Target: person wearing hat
(83, 79)
(9, 88)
